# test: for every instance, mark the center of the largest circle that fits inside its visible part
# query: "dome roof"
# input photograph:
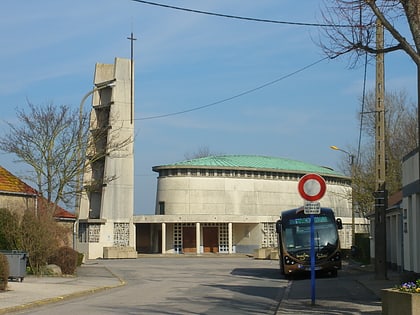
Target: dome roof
(254, 162)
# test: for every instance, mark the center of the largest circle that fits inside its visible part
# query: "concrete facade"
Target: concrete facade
(234, 208)
(105, 222)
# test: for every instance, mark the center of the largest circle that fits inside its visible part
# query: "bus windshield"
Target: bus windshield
(297, 234)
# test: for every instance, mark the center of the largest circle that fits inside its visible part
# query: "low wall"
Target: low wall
(119, 252)
(266, 253)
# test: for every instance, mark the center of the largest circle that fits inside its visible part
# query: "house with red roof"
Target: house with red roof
(18, 197)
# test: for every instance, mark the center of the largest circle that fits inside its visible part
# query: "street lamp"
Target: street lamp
(351, 162)
(99, 86)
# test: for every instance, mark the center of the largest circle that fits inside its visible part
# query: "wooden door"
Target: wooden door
(188, 240)
(211, 239)
(143, 240)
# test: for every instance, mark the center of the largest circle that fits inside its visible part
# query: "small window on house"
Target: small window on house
(162, 207)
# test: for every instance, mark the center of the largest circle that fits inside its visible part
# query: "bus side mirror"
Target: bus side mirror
(278, 226)
(339, 224)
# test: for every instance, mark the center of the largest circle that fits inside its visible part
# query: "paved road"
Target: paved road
(192, 285)
(184, 284)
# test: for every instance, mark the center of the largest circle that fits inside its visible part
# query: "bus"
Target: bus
(294, 239)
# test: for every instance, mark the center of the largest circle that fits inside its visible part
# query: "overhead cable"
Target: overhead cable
(237, 95)
(239, 17)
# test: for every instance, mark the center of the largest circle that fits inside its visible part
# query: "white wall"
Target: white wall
(411, 213)
(238, 196)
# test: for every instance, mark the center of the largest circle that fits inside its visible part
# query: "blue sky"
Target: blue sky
(187, 60)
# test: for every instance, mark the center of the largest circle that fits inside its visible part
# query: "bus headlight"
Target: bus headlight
(288, 260)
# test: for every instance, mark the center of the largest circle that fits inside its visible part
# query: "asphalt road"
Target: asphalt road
(216, 284)
(182, 285)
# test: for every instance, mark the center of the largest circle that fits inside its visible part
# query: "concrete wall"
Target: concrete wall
(234, 196)
(246, 237)
(253, 196)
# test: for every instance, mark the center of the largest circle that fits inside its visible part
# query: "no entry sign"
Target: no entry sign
(312, 187)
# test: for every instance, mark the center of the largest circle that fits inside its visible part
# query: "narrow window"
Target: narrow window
(162, 207)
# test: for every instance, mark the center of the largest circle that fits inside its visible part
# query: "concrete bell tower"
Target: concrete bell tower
(105, 226)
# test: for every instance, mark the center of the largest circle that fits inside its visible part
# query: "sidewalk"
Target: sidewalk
(367, 278)
(41, 290)
(333, 301)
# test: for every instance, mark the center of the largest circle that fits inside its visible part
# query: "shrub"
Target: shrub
(4, 272)
(39, 235)
(66, 258)
(10, 235)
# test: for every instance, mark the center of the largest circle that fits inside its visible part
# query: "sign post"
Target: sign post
(312, 187)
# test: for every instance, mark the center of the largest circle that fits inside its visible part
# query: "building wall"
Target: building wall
(394, 239)
(234, 196)
(411, 212)
(17, 203)
(247, 237)
(250, 194)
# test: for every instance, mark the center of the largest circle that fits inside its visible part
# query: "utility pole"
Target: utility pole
(381, 195)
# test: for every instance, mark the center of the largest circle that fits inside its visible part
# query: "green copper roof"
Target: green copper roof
(256, 162)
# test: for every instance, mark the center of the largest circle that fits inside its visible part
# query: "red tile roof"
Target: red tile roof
(395, 199)
(9, 183)
(59, 212)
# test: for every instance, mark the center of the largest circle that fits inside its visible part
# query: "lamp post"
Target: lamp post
(351, 162)
(79, 185)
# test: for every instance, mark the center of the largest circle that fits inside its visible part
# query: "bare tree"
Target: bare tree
(201, 152)
(46, 138)
(351, 27)
(56, 142)
(400, 130)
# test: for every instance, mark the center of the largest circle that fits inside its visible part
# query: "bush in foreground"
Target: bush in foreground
(66, 258)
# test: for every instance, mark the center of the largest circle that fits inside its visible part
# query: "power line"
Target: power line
(237, 95)
(239, 17)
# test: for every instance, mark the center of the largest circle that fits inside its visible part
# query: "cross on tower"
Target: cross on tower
(132, 39)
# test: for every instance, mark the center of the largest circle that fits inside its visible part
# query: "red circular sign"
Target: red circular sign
(312, 187)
